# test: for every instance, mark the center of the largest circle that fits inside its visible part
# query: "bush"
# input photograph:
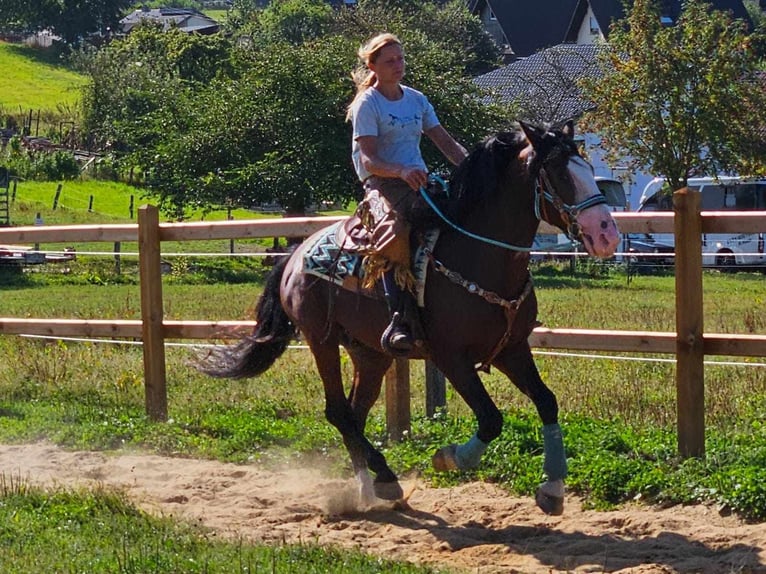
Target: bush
(40, 165)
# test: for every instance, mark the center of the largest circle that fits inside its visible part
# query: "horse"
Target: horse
(479, 304)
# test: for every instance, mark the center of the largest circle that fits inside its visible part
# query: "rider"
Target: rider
(388, 120)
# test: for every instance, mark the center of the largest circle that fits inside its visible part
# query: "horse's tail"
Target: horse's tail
(257, 352)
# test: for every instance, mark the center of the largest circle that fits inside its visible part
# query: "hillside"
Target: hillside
(33, 79)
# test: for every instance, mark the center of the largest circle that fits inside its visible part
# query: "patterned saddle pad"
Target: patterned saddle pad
(324, 258)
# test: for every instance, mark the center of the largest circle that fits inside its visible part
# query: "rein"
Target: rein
(543, 191)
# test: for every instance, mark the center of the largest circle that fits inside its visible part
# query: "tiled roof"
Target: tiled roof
(544, 84)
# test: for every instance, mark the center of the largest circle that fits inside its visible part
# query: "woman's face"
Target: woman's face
(389, 65)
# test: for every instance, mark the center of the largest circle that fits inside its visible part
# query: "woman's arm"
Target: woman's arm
(368, 146)
(451, 149)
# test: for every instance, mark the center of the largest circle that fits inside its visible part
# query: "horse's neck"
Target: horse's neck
(507, 220)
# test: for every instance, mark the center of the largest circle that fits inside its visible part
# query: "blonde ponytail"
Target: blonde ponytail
(362, 75)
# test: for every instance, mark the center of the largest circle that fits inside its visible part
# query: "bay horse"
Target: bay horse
(479, 304)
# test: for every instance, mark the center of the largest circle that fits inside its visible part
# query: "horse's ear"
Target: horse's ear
(569, 129)
(533, 134)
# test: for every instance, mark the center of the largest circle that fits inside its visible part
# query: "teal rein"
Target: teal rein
(571, 210)
(452, 224)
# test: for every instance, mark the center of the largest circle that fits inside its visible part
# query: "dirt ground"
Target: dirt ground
(474, 527)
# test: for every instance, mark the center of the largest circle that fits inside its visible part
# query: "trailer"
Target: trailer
(23, 255)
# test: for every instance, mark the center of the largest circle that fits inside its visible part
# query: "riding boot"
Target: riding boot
(397, 338)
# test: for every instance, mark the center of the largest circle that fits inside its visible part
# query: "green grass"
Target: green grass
(618, 416)
(38, 79)
(100, 532)
(111, 205)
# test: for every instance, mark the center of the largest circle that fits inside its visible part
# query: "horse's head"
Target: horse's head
(568, 195)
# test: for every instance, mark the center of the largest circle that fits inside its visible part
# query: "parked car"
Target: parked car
(646, 250)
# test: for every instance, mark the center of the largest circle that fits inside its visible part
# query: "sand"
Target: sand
(475, 527)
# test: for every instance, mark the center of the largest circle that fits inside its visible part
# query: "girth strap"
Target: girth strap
(510, 306)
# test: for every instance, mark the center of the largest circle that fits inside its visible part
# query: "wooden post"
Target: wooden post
(117, 260)
(398, 399)
(155, 387)
(436, 389)
(57, 196)
(690, 352)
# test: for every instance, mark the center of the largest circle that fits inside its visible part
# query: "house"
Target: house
(544, 81)
(592, 18)
(522, 28)
(185, 19)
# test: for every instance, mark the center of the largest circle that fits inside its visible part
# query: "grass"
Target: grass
(100, 532)
(40, 81)
(618, 415)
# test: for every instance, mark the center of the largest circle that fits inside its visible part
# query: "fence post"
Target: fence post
(398, 399)
(57, 196)
(155, 388)
(117, 260)
(690, 352)
(436, 389)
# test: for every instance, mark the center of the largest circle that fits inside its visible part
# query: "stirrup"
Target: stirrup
(396, 340)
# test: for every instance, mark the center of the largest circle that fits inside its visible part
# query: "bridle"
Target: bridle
(544, 190)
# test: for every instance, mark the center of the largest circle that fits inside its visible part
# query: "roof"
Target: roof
(530, 26)
(533, 26)
(608, 11)
(186, 19)
(545, 84)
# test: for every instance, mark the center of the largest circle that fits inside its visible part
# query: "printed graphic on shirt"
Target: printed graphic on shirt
(404, 121)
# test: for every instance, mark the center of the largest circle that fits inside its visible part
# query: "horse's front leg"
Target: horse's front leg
(468, 455)
(517, 363)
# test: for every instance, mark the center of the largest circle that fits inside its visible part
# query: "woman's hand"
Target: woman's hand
(414, 176)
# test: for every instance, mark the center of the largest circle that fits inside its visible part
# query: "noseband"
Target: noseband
(544, 191)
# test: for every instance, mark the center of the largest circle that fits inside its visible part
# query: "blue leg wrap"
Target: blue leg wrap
(555, 463)
(469, 454)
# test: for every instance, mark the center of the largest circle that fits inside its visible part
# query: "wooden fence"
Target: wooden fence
(689, 343)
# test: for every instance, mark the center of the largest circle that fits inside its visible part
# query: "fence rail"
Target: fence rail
(688, 343)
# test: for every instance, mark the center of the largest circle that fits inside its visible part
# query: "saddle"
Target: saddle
(337, 252)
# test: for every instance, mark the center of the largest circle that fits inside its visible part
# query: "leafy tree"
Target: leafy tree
(73, 20)
(681, 100)
(139, 88)
(274, 134)
(269, 124)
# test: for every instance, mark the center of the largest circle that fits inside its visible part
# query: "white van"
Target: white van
(725, 193)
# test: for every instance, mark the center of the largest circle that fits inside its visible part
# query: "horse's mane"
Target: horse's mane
(475, 180)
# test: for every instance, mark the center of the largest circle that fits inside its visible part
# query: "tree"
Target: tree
(269, 124)
(73, 20)
(683, 100)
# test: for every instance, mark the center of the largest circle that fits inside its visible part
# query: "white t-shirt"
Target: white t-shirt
(397, 124)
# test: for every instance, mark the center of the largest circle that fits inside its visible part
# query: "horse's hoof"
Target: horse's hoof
(445, 459)
(389, 490)
(552, 505)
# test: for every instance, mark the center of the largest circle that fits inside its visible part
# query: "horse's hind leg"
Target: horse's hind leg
(369, 369)
(518, 364)
(343, 416)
